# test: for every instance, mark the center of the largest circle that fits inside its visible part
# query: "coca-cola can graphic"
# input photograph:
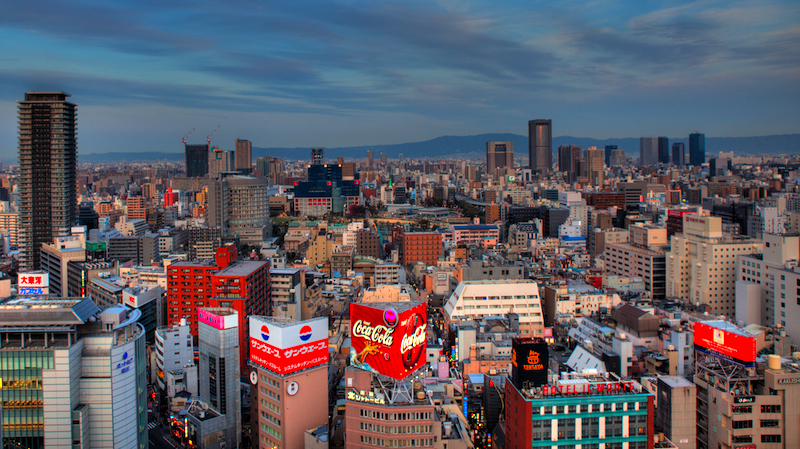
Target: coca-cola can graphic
(388, 338)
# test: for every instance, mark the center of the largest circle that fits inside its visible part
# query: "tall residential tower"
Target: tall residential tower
(48, 153)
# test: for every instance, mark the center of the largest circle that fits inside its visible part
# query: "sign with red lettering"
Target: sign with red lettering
(388, 338)
(285, 346)
(33, 280)
(711, 338)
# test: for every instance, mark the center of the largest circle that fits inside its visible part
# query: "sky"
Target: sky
(346, 73)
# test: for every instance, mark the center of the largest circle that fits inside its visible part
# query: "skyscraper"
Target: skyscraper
(608, 154)
(648, 151)
(317, 156)
(370, 158)
(697, 149)
(678, 154)
(48, 153)
(593, 166)
(244, 156)
(196, 160)
(499, 155)
(568, 158)
(663, 150)
(540, 144)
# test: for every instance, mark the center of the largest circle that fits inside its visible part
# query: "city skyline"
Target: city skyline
(362, 74)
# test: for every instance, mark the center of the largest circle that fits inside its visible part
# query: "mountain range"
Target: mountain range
(475, 147)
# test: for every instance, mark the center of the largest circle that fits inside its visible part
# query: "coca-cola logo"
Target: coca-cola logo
(413, 341)
(379, 334)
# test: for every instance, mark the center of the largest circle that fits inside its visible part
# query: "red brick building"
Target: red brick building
(242, 285)
(604, 200)
(136, 208)
(419, 247)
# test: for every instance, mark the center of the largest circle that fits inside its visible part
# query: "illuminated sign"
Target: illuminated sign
(369, 398)
(29, 280)
(793, 380)
(218, 321)
(389, 341)
(717, 342)
(31, 291)
(586, 388)
(286, 348)
(744, 399)
(529, 362)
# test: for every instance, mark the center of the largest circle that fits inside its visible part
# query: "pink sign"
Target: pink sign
(216, 321)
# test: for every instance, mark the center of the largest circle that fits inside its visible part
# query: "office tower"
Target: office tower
(608, 154)
(678, 154)
(196, 160)
(697, 149)
(370, 158)
(569, 157)
(55, 257)
(219, 161)
(289, 377)
(218, 372)
(663, 150)
(317, 156)
(499, 155)
(243, 156)
(383, 159)
(701, 264)
(648, 151)
(48, 152)
(272, 168)
(239, 206)
(617, 158)
(718, 166)
(540, 145)
(81, 379)
(593, 166)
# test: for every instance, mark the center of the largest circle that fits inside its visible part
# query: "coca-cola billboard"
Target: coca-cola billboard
(388, 338)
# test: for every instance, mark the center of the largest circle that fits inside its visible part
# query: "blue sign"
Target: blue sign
(31, 291)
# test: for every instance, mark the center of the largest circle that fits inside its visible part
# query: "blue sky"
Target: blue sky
(332, 73)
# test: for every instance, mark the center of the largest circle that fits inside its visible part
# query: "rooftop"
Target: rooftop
(242, 268)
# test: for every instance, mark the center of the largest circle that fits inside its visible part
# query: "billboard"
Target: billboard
(218, 321)
(529, 360)
(732, 345)
(388, 338)
(285, 346)
(33, 280)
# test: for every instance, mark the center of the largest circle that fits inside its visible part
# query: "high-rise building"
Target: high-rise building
(370, 158)
(136, 208)
(663, 150)
(48, 153)
(701, 264)
(243, 156)
(592, 167)
(697, 149)
(196, 160)
(569, 157)
(678, 154)
(648, 151)
(617, 158)
(317, 156)
(384, 160)
(218, 373)
(499, 155)
(608, 154)
(540, 144)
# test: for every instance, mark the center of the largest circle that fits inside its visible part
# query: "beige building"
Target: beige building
(642, 261)
(10, 222)
(603, 237)
(389, 293)
(701, 265)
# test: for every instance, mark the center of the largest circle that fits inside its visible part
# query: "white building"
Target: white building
(771, 277)
(487, 298)
(174, 350)
(701, 264)
(387, 273)
(84, 383)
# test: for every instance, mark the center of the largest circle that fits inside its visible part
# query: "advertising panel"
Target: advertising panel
(218, 321)
(388, 338)
(33, 280)
(286, 346)
(529, 359)
(712, 339)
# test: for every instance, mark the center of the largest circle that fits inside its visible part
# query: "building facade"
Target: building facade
(540, 145)
(48, 156)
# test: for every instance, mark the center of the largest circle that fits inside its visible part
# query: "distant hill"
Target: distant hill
(475, 146)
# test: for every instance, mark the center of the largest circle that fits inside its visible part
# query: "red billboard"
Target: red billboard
(723, 340)
(388, 338)
(285, 346)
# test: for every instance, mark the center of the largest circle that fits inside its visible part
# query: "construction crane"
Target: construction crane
(187, 135)
(208, 139)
